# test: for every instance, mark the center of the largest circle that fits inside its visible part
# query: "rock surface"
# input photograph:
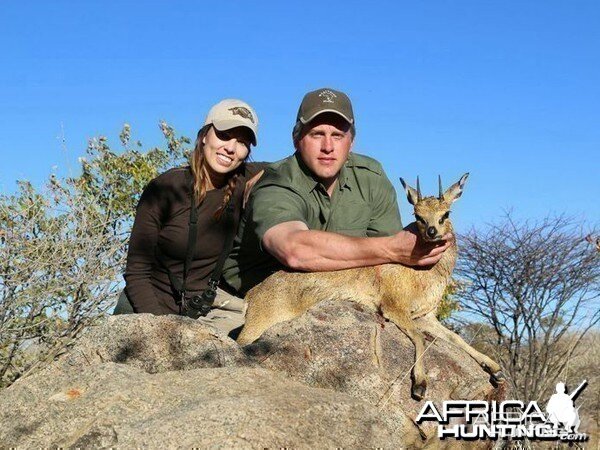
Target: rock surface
(348, 349)
(155, 344)
(118, 405)
(339, 376)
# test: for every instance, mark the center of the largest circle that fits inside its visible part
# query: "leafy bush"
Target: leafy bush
(63, 248)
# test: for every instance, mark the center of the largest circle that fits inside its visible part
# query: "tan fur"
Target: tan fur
(401, 293)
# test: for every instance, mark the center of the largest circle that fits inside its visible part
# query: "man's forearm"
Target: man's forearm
(313, 250)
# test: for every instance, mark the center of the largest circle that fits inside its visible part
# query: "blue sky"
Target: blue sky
(508, 91)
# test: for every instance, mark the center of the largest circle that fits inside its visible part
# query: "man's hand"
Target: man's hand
(410, 249)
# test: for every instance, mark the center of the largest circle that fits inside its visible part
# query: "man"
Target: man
(323, 208)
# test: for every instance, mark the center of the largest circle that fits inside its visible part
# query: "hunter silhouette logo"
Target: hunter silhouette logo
(242, 111)
(327, 96)
(561, 409)
(510, 419)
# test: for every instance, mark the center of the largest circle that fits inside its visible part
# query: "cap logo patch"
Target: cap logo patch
(242, 111)
(327, 96)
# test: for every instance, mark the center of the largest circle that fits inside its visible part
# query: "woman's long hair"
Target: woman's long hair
(200, 173)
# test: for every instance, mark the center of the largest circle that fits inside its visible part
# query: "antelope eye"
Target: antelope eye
(444, 217)
(420, 219)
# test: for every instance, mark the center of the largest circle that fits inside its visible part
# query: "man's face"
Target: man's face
(325, 145)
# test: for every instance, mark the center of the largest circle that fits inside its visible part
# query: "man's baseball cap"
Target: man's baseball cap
(231, 113)
(322, 101)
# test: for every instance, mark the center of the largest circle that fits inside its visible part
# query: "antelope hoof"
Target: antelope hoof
(418, 391)
(497, 378)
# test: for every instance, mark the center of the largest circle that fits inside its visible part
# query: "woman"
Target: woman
(161, 240)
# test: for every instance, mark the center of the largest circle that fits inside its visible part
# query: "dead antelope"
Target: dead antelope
(401, 293)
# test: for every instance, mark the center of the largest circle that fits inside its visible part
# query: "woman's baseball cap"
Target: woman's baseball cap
(231, 113)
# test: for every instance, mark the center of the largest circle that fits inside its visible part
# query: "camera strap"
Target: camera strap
(191, 245)
(230, 220)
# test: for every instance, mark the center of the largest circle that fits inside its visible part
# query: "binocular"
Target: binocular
(203, 302)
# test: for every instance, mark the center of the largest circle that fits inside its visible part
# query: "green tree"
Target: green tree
(450, 302)
(63, 248)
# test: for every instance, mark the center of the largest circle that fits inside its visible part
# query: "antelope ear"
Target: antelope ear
(456, 190)
(411, 194)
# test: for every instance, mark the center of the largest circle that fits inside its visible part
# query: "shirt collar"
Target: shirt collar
(344, 179)
(309, 183)
(304, 174)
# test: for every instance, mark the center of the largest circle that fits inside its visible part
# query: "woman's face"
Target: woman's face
(224, 151)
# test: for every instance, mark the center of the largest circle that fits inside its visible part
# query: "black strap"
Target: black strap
(191, 245)
(229, 219)
(232, 213)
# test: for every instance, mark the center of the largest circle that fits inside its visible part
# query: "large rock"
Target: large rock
(346, 348)
(339, 376)
(117, 405)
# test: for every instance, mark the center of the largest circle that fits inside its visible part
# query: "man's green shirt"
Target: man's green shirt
(363, 204)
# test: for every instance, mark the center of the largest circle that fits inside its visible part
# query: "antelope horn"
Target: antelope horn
(418, 190)
(441, 195)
